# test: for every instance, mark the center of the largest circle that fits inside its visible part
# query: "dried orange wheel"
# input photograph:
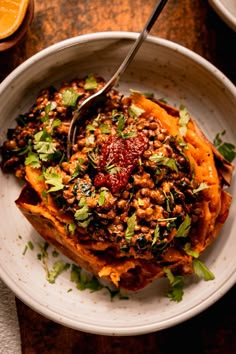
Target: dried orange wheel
(12, 13)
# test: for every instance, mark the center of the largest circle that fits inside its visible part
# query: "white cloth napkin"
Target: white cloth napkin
(10, 342)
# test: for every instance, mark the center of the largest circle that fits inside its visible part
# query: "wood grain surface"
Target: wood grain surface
(193, 24)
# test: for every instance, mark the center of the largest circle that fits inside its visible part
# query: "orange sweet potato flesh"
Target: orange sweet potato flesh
(210, 168)
(134, 273)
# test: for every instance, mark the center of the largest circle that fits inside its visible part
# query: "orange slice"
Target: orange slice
(12, 13)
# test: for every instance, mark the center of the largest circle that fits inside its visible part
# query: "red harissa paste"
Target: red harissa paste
(123, 155)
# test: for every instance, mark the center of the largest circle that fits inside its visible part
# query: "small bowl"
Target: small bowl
(170, 71)
(16, 37)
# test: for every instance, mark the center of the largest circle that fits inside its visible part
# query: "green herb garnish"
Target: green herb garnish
(25, 250)
(112, 168)
(127, 135)
(53, 178)
(156, 235)
(227, 150)
(202, 271)
(93, 158)
(161, 160)
(78, 169)
(33, 160)
(55, 254)
(69, 97)
(57, 269)
(177, 283)
(135, 111)
(44, 145)
(201, 187)
(50, 106)
(30, 245)
(146, 94)
(167, 219)
(102, 198)
(70, 228)
(90, 128)
(189, 251)
(90, 140)
(183, 120)
(131, 223)
(105, 129)
(90, 83)
(84, 280)
(82, 215)
(121, 123)
(115, 115)
(184, 228)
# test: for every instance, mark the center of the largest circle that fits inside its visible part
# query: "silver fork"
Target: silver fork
(100, 96)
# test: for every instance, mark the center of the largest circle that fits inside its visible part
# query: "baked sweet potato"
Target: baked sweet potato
(141, 189)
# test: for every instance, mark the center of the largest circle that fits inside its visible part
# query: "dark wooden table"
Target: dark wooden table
(193, 24)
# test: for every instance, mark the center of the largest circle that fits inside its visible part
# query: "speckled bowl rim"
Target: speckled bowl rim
(139, 329)
(224, 13)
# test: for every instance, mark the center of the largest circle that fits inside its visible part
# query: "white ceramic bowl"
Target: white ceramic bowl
(170, 71)
(226, 9)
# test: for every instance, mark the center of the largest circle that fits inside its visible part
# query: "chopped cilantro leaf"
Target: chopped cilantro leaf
(33, 160)
(70, 97)
(112, 168)
(44, 145)
(184, 227)
(45, 148)
(116, 116)
(50, 106)
(30, 245)
(146, 94)
(53, 178)
(55, 253)
(25, 250)
(82, 215)
(121, 123)
(161, 160)
(90, 140)
(131, 223)
(105, 129)
(57, 269)
(167, 219)
(127, 135)
(78, 169)
(90, 128)
(83, 279)
(177, 283)
(135, 111)
(156, 235)
(112, 292)
(227, 150)
(90, 83)
(102, 198)
(201, 187)
(189, 251)
(202, 271)
(183, 120)
(56, 123)
(70, 228)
